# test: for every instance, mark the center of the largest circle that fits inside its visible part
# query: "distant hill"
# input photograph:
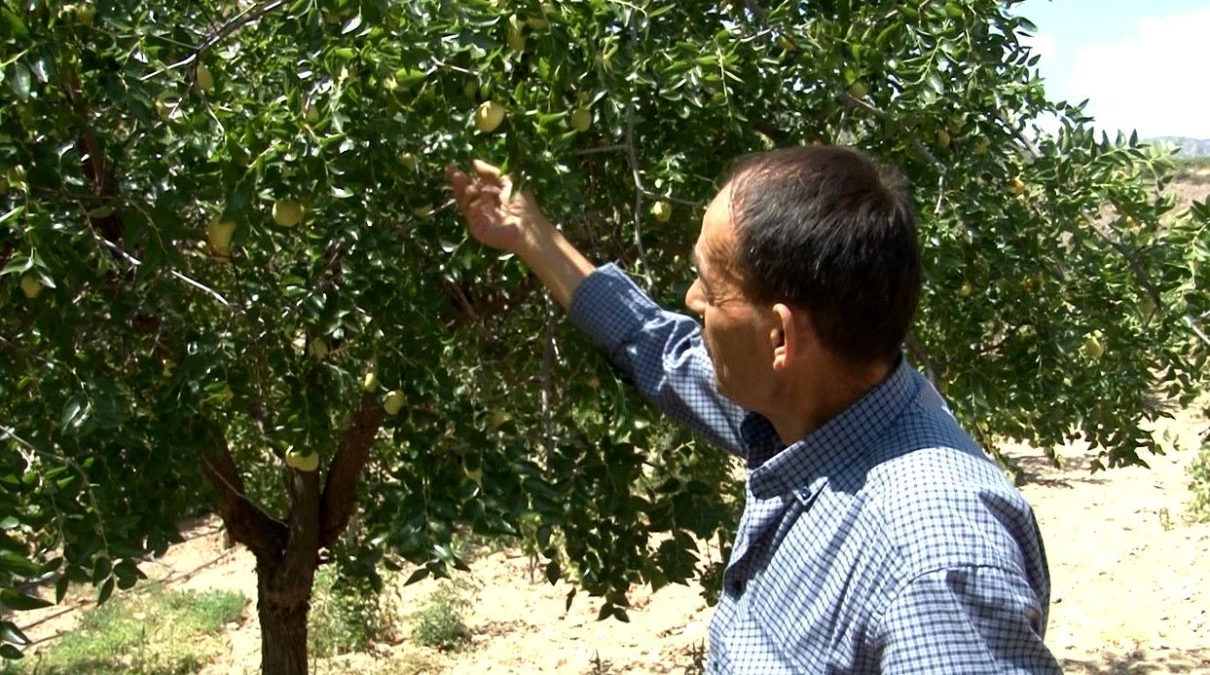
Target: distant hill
(1190, 147)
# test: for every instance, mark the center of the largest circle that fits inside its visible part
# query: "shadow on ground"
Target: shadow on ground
(1141, 662)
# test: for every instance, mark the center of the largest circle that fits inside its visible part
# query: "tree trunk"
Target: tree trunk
(287, 552)
(283, 600)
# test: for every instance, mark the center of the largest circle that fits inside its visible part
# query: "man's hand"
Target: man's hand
(512, 222)
(495, 216)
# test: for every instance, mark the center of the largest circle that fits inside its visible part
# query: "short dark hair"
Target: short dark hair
(827, 229)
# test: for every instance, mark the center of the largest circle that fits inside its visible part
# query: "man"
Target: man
(876, 536)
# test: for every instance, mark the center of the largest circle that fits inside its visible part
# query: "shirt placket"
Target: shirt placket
(759, 521)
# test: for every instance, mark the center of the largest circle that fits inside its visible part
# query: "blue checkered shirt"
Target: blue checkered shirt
(883, 542)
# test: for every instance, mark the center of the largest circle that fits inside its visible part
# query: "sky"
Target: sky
(1143, 64)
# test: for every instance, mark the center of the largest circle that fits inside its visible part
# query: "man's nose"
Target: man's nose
(695, 299)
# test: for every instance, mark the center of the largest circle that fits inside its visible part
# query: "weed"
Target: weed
(441, 623)
(153, 632)
(346, 615)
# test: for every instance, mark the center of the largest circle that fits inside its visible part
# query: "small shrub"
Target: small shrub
(441, 624)
(1199, 483)
(346, 615)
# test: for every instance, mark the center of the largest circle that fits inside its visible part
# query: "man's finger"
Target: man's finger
(486, 171)
(457, 180)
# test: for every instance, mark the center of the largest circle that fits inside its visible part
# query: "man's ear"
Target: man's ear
(787, 335)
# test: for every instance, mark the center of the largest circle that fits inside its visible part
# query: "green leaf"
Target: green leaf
(9, 632)
(21, 602)
(19, 81)
(418, 575)
(106, 591)
(10, 652)
(75, 413)
(352, 25)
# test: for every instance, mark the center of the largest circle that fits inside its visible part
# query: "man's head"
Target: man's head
(813, 245)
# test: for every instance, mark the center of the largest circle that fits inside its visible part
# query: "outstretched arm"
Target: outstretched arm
(660, 352)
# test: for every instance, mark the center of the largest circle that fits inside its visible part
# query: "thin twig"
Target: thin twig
(1197, 329)
(874, 110)
(633, 158)
(548, 359)
(196, 284)
(239, 21)
(675, 200)
(1131, 261)
(1029, 145)
(604, 148)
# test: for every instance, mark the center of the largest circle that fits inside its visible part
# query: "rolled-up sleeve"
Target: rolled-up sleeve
(659, 352)
(974, 620)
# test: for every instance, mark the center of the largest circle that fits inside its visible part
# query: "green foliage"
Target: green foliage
(346, 615)
(440, 623)
(145, 347)
(154, 632)
(1199, 483)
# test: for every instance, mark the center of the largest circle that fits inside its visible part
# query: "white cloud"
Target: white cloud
(1042, 44)
(1153, 82)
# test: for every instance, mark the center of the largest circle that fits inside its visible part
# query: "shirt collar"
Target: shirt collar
(831, 449)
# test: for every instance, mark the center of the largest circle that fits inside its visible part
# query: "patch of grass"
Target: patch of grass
(151, 632)
(1192, 169)
(441, 623)
(346, 615)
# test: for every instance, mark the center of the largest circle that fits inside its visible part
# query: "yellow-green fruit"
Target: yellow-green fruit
(537, 23)
(394, 402)
(219, 232)
(662, 211)
(302, 462)
(1093, 348)
(312, 113)
(516, 39)
(409, 161)
(858, 89)
(982, 146)
(31, 286)
(1147, 306)
(1016, 186)
(287, 213)
(318, 349)
(475, 475)
(470, 89)
(943, 138)
(966, 289)
(205, 81)
(370, 383)
(489, 116)
(87, 13)
(581, 119)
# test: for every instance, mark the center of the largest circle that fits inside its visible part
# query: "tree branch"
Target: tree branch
(1132, 261)
(248, 523)
(340, 490)
(239, 21)
(917, 350)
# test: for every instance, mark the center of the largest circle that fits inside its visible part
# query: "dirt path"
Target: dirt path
(1131, 583)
